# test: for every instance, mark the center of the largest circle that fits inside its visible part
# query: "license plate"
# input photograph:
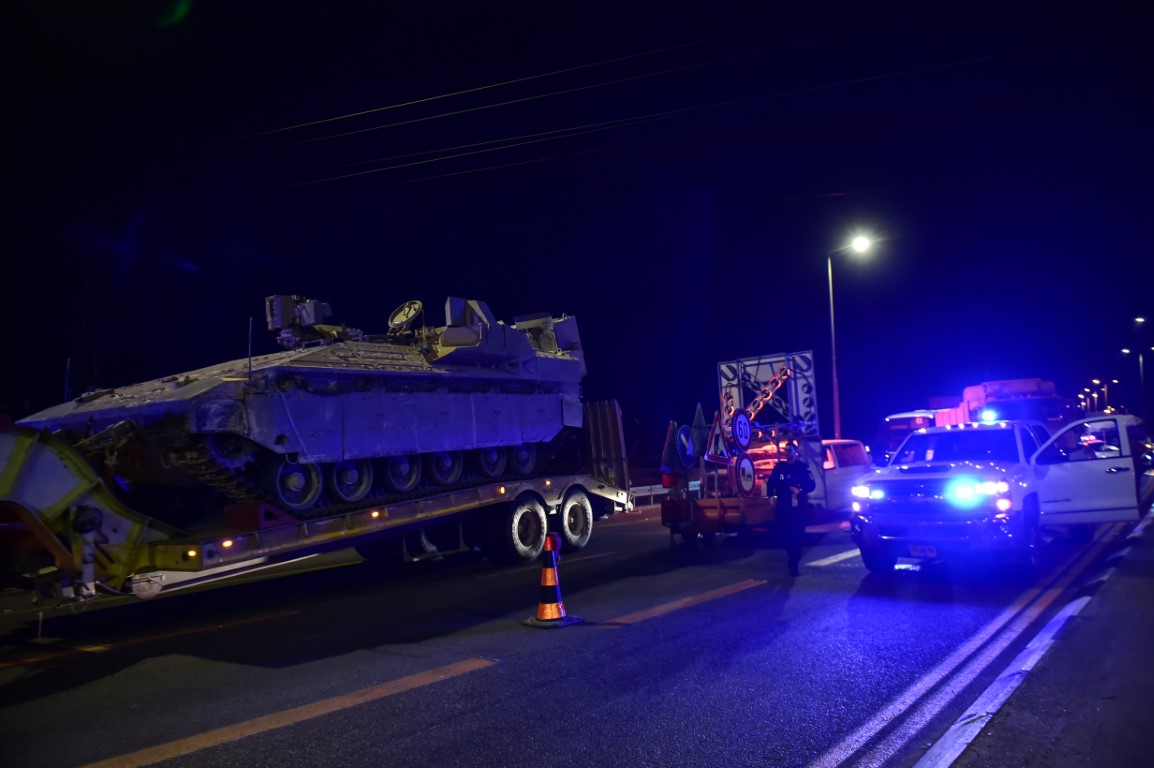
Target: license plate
(917, 550)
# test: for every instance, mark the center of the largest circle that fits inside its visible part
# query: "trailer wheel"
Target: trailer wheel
(517, 532)
(576, 521)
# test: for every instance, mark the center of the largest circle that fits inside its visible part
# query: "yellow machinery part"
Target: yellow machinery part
(54, 492)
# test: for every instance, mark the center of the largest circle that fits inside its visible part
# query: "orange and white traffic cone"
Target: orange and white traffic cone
(551, 611)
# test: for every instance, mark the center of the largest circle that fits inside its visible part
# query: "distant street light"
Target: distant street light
(1105, 390)
(1092, 394)
(860, 244)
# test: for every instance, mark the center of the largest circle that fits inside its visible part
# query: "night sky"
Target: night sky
(672, 174)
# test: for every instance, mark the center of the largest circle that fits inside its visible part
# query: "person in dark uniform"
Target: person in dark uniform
(791, 482)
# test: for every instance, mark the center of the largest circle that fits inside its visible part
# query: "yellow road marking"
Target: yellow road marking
(685, 602)
(289, 717)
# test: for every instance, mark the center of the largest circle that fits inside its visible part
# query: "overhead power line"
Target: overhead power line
(555, 73)
(625, 122)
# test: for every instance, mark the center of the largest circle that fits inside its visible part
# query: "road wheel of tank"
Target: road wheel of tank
(524, 458)
(878, 560)
(293, 487)
(401, 473)
(576, 521)
(350, 480)
(493, 461)
(517, 532)
(445, 467)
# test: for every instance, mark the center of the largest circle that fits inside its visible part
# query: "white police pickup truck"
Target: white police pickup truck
(990, 489)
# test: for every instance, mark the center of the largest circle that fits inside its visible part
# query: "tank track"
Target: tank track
(203, 465)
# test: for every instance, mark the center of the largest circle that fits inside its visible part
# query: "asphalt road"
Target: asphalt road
(686, 656)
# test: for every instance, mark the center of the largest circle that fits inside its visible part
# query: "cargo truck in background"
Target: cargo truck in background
(1010, 399)
(417, 442)
(1030, 400)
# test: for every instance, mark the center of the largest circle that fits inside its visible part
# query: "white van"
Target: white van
(844, 462)
(836, 467)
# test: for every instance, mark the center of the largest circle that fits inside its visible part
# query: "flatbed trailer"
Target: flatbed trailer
(59, 515)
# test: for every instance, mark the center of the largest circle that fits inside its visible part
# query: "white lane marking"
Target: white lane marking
(844, 750)
(966, 728)
(834, 558)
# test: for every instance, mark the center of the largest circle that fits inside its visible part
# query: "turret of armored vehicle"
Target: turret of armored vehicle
(340, 417)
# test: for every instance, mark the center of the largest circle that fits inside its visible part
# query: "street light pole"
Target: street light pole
(1105, 384)
(859, 244)
(833, 350)
(1141, 380)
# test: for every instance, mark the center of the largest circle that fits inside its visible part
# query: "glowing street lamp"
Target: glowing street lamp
(1090, 393)
(860, 244)
(1105, 390)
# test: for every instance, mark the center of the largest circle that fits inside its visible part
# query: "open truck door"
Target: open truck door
(1085, 473)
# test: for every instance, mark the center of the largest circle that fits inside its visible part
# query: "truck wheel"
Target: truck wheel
(878, 561)
(576, 521)
(517, 534)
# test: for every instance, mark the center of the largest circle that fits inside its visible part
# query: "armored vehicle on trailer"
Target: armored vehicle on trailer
(415, 427)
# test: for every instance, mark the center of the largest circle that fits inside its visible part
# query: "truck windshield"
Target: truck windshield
(967, 445)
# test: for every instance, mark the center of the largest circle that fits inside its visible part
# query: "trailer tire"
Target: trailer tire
(575, 522)
(517, 532)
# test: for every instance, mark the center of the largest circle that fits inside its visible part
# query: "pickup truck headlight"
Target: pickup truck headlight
(967, 493)
(865, 492)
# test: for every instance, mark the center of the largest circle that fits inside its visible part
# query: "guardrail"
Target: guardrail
(652, 492)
